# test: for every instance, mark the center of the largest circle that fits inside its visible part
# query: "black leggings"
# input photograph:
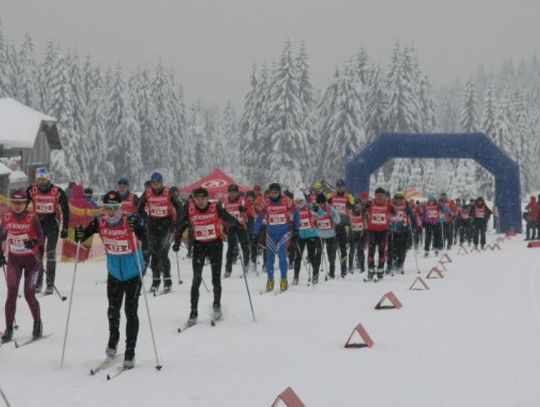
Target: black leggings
(214, 252)
(377, 240)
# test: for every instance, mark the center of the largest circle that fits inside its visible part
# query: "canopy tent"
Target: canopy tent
(216, 183)
(19, 126)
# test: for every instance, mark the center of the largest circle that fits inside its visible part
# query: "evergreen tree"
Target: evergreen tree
(469, 109)
(27, 88)
(4, 73)
(376, 104)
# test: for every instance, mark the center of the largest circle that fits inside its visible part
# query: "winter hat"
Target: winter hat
(317, 186)
(431, 196)
(399, 195)
(88, 192)
(112, 197)
(275, 187)
(42, 173)
(257, 187)
(233, 188)
(321, 198)
(123, 181)
(200, 192)
(379, 190)
(18, 196)
(363, 195)
(340, 183)
(156, 177)
(299, 196)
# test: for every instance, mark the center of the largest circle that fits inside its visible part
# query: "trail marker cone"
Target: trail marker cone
(445, 259)
(289, 398)
(495, 246)
(435, 273)
(391, 297)
(421, 283)
(366, 339)
(462, 249)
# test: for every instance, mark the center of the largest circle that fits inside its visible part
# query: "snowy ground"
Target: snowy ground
(471, 340)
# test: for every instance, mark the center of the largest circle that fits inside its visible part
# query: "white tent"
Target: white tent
(20, 125)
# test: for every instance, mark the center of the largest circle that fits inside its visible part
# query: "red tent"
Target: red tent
(216, 183)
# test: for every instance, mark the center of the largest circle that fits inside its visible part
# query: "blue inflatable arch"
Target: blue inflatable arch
(475, 146)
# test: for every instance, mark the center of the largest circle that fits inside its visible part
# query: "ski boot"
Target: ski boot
(192, 318)
(37, 331)
(227, 273)
(155, 286)
(167, 284)
(49, 289)
(37, 288)
(129, 359)
(283, 284)
(426, 253)
(380, 275)
(370, 275)
(343, 273)
(315, 278)
(332, 274)
(110, 352)
(295, 280)
(269, 285)
(8, 335)
(216, 316)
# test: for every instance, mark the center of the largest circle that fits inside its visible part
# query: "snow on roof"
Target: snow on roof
(4, 169)
(19, 124)
(17, 176)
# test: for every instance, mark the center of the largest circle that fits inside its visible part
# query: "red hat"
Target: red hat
(257, 187)
(363, 195)
(18, 196)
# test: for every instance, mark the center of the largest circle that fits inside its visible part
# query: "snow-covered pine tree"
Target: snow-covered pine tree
(230, 144)
(468, 114)
(376, 104)
(27, 92)
(488, 126)
(48, 73)
(342, 129)
(288, 142)
(4, 71)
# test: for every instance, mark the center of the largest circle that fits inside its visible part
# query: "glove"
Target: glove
(176, 247)
(315, 208)
(30, 244)
(63, 234)
(242, 208)
(79, 233)
(131, 220)
(2, 260)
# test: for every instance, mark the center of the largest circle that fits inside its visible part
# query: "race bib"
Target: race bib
(16, 244)
(357, 227)
(341, 207)
(432, 214)
(277, 219)
(205, 233)
(158, 211)
(379, 219)
(44, 207)
(116, 247)
(324, 224)
(304, 224)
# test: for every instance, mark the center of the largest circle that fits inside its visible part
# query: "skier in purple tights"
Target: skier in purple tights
(22, 235)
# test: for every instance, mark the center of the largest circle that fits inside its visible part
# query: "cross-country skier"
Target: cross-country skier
(21, 232)
(431, 219)
(281, 221)
(48, 202)
(464, 224)
(378, 221)
(236, 206)
(480, 214)
(161, 207)
(316, 189)
(447, 220)
(533, 212)
(206, 220)
(257, 241)
(342, 201)
(130, 201)
(358, 234)
(307, 236)
(326, 217)
(121, 235)
(400, 232)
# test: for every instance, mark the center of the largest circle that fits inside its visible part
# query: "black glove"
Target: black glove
(79, 233)
(2, 260)
(242, 208)
(176, 247)
(315, 208)
(131, 220)
(63, 234)
(30, 244)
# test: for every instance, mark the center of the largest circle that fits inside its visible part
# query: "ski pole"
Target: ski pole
(158, 365)
(70, 303)
(245, 280)
(415, 255)
(178, 269)
(4, 397)
(62, 297)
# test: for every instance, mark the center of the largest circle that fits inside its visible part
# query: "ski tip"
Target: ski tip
(158, 368)
(213, 323)
(92, 372)
(108, 377)
(179, 330)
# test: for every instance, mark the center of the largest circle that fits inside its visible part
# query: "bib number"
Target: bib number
(16, 244)
(341, 208)
(158, 211)
(357, 227)
(379, 219)
(205, 233)
(116, 247)
(277, 219)
(44, 207)
(304, 224)
(324, 224)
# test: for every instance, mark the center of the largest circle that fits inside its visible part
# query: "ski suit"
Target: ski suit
(326, 217)
(358, 239)
(236, 234)
(378, 222)
(342, 202)
(480, 214)
(400, 234)
(307, 236)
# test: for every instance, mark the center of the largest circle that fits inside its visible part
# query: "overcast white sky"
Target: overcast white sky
(212, 44)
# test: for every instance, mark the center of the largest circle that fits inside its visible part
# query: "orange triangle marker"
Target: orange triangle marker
(420, 282)
(391, 297)
(366, 339)
(288, 398)
(435, 273)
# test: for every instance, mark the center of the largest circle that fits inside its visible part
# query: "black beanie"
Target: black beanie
(379, 190)
(321, 198)
(275, 187)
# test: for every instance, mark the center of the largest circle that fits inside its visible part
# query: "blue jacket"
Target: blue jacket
(308, 233)
(277, 229)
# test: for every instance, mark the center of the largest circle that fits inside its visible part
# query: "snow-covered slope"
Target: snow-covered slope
(471, 340)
